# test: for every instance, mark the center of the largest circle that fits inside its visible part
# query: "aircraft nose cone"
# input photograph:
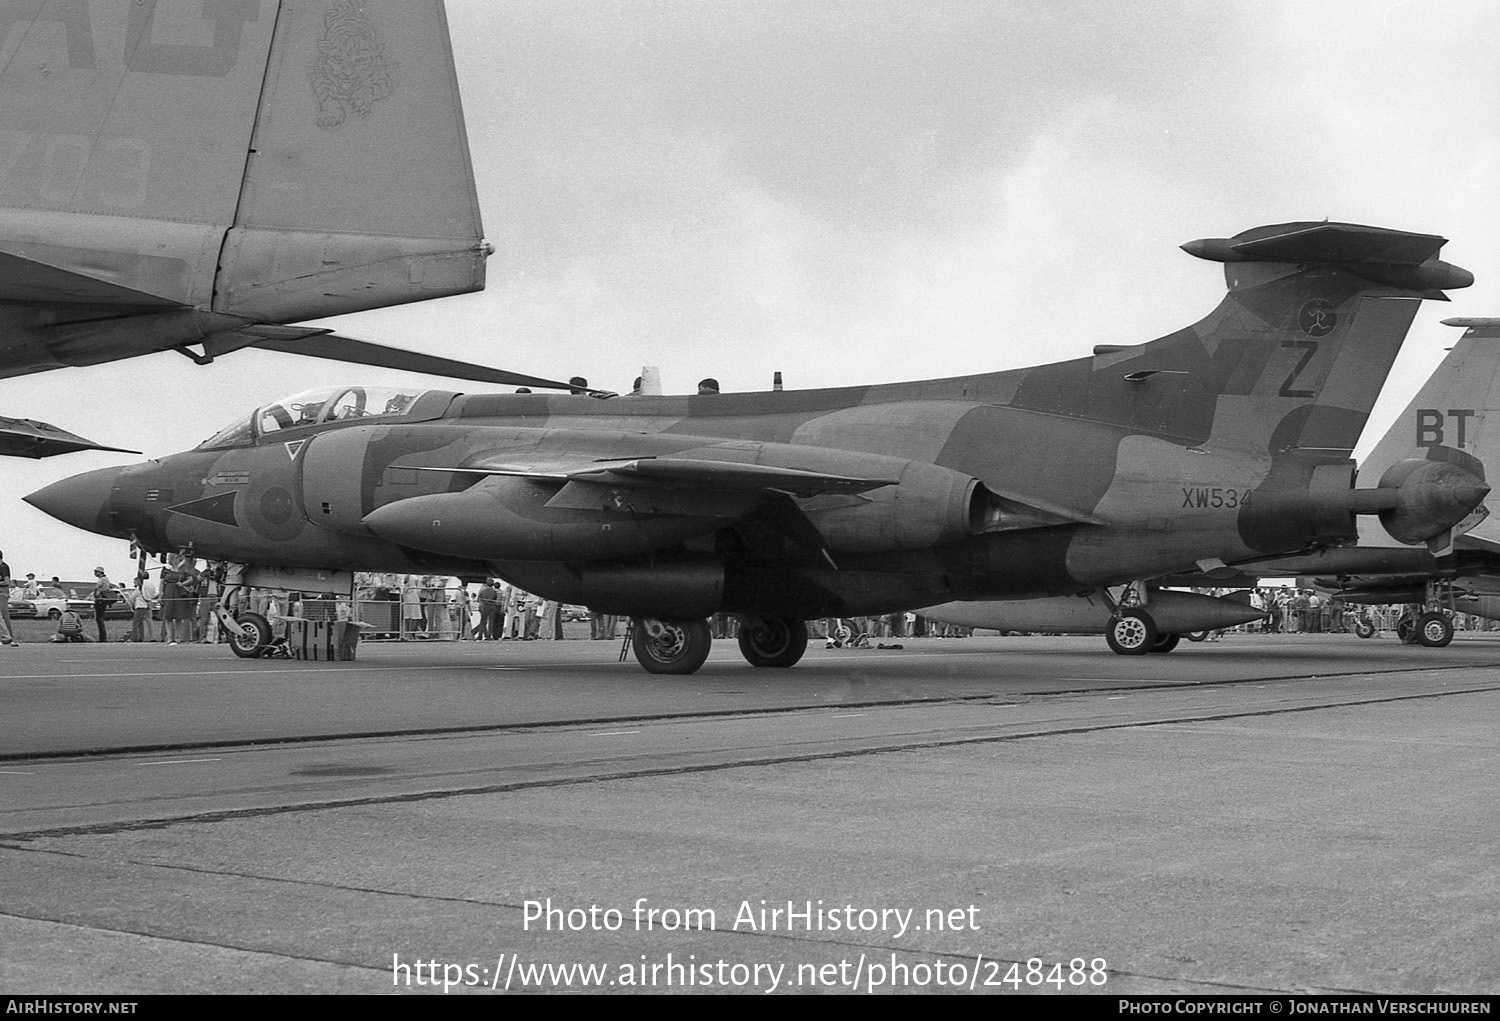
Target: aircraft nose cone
(80, 500)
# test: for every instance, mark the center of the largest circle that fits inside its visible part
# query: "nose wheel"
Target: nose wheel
(252, 634)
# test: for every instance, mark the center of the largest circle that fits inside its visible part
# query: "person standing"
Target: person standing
(10, 637)
(176, 605)
(104, 596)
(551, 626)
(458, 605)
(515, 614)
(140, 609)
(489, 611)
(206, 626)
(411, 607)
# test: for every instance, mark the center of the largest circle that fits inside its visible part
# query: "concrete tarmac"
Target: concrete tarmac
(1263, 814)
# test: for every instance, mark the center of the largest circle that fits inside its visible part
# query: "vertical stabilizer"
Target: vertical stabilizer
(1293, 357)
(1458, 408)
(359, 191)
(263, 160)
(1454, 418)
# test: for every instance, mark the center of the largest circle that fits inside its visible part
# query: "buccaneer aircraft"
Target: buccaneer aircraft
(1223, 442)
(199, 197)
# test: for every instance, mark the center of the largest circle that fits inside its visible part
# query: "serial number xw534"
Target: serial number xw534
(1214, 497)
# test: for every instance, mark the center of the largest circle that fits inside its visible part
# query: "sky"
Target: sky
(858, 192)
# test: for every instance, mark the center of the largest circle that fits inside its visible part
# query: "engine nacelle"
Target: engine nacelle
(929, 506)
(517, 518)
(1431, 497)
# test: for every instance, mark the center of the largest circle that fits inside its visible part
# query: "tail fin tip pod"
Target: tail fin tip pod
(1396, 258)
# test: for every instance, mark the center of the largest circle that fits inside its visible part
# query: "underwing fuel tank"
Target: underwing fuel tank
(1173, 613)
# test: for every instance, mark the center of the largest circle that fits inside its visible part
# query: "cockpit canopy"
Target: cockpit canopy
(313, 407)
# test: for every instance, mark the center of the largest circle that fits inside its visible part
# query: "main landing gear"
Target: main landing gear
(1432, 628)
(681, 646)
(1430, 623)
(1132, 632)
(670, 646)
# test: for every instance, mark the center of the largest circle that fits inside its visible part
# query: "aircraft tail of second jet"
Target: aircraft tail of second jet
(263, 160)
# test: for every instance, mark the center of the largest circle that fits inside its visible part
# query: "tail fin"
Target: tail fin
(1293, 357)
(1455, 418)
(246, 158)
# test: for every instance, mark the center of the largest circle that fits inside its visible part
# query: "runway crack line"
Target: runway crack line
(1006, 698)
(15, 840)
(192, 942)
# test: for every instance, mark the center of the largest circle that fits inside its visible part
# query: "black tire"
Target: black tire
(1364, 629)
(256, 637)
(1434, 630)
(772, 641)
(671, 646)
(1197, 636)
(54, 614)
(1166, 643)
(1131, 633)
(1406, 629)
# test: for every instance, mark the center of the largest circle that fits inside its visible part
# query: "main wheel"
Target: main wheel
(1364, 628)
(1166, 643)
(256, 636)
(772, 641)
(1434, 630)
(1406, 628)
(1197, 636)
(1131, 633)
(670, 646)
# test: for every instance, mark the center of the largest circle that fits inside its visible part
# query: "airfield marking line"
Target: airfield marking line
(612, 733)
(846, 716)
(17, 772)
(174, 762)
(8, 840)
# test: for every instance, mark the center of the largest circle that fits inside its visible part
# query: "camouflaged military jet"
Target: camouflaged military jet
(1220, 443)
(199, 195)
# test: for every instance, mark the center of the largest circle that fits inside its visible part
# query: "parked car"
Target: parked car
(118, 610)
(50, 602)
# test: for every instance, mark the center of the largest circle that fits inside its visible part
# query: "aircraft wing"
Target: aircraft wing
(319, 344)
(24, 437)
(680, 473)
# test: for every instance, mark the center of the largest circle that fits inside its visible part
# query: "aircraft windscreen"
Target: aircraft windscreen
(311, 407)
